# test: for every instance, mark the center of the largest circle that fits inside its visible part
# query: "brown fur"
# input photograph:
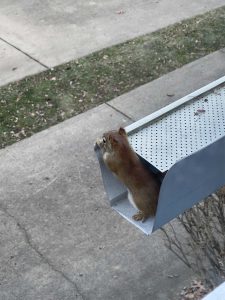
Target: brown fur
(126, 165)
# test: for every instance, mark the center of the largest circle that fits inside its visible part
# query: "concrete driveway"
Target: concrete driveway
(59, 239)
(35, 34)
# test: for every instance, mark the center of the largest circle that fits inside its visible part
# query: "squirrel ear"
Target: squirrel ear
(122, 131)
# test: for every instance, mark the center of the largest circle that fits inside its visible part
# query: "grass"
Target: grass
(40, 101)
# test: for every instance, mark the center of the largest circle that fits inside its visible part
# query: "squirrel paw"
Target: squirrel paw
(139, 216)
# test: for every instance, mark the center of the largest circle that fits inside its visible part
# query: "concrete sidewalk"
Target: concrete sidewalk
(59, 238)
(36, 35)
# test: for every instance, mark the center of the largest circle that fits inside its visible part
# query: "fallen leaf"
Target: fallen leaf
(120, 12)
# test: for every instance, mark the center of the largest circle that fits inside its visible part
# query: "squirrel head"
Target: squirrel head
(113, 140)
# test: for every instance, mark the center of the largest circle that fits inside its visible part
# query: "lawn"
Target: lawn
(40, 101)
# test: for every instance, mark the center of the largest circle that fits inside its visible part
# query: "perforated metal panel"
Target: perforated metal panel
(182, 131)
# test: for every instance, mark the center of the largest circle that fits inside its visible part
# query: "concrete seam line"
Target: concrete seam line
(28, 55)
(122, 113)
(31, 244)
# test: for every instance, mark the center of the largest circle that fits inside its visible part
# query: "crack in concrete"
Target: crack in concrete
(45, 187)
(28, 55)
(31, 244)
(122, 113)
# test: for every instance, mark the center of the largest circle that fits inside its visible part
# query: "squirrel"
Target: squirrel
(142, 184)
